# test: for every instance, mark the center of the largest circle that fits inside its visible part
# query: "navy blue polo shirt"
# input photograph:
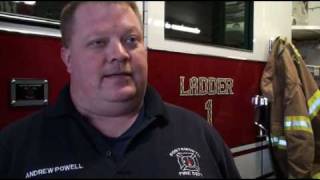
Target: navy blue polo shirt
(119, 145)
(166, 141)
(114, 147)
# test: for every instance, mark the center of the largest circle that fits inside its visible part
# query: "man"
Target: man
(109, 122)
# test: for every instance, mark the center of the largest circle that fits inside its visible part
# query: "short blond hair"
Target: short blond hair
(67, 16)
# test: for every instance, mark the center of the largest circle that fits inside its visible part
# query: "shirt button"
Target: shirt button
(108, 153)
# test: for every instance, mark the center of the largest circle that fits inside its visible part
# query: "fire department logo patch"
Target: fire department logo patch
(188, 161)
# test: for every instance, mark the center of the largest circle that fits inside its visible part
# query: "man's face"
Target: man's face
(106, 57)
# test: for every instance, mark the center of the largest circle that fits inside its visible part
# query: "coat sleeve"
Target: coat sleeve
(312, 93)
(297, 125)
(266, 83)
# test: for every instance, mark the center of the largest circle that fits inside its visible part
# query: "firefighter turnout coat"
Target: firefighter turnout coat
(294, 115)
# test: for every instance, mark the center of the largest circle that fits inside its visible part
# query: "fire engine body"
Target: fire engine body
(216, 82)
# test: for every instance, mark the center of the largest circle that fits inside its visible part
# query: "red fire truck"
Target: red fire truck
(214, 72)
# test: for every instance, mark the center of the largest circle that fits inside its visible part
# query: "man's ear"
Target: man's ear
(66, 58)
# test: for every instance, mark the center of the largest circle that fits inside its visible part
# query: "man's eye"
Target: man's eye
(131, 40)
(97, 43)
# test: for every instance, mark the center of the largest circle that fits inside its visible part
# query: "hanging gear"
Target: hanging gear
(294, 119)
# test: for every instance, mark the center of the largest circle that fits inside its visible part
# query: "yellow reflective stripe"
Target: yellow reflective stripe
(316, 176)
(301, 129)
(298, 123)
(314, 104)
(296, 53)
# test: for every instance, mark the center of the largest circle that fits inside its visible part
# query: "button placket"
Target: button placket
(109, 154)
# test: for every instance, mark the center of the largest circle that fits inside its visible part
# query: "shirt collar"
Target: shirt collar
(153, 110)
(153, 105)
(64, 105)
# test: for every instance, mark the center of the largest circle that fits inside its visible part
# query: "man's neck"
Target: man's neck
(113, 126)
(110, 118)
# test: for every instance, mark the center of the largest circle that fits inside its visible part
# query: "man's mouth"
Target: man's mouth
(117, 74)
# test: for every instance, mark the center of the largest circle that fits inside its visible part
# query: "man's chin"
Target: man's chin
(123, 94)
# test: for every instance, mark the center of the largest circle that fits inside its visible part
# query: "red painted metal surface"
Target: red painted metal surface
(27, 56)
(233, 115)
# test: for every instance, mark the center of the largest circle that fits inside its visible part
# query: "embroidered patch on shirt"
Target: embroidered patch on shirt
(188, 161)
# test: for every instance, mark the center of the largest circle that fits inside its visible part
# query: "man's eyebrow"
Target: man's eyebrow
(125, 30)
(132, 29)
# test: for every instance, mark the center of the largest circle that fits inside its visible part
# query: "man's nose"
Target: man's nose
(116, 51)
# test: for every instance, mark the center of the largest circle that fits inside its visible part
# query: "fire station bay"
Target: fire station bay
(244, 74)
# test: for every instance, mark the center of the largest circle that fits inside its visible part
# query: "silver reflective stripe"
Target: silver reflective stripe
(280, 142)
(289, 124)
(314, 106)
(298, 123)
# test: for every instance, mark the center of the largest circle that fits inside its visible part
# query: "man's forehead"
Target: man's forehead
(99, 18)
(92, 11)
(108, 6)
